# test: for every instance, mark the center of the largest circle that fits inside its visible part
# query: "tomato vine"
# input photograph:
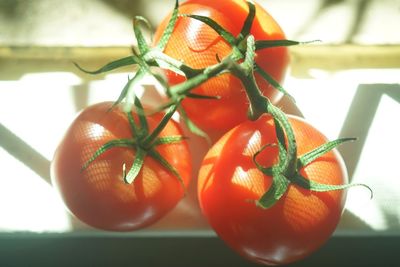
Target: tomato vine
(240, 63)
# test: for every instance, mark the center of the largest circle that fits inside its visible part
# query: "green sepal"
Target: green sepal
(150, 138)
(265, 170)
(162, 81)
(142, 130)
(141, 41)
(319, 151)
(169, 140)
(170, 28)
(226, 35)
(193, 128)
(248, 22)
(127, 93)
(132, 124)
(273, 82)
(127, 90)
(122, 62)
(159, 158)
(165, 62)
(285, 134)
(107, 146)
(261, 44)
(198, 96)
(275, 192)
(163, 107)
(280, 135)
(283, 157)
(136, 166)
(318, 187)
(142, 116)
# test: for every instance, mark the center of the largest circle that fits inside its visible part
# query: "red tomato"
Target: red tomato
(98, 195)
(197, 45)
(298, 224)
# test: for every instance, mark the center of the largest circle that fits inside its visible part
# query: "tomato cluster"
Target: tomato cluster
(261, 185)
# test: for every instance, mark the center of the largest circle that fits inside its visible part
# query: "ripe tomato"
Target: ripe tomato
(197, 45)
(299, 223)
(98, 195)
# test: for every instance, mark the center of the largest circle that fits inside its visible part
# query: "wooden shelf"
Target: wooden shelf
(303, 57)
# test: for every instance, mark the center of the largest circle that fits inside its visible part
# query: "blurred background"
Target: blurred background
(346, 85)
(107, 22)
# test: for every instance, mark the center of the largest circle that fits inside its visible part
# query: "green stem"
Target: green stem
(259, 105)
(183, 88)
(289, 167)
(156, 54)
(258, 102)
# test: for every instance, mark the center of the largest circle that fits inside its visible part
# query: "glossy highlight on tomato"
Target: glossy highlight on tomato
(199, 46)
(229, 184)
(98, 195)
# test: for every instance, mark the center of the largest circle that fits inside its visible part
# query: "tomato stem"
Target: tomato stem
(259, 105)
(171, 63)
(182, 89)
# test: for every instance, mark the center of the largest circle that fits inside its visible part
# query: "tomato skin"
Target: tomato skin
(298, 224)
(98, 195)
(197, 45)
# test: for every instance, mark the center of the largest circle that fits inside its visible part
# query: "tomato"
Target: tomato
(229, 183)
(98, 195)
(197, 45)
